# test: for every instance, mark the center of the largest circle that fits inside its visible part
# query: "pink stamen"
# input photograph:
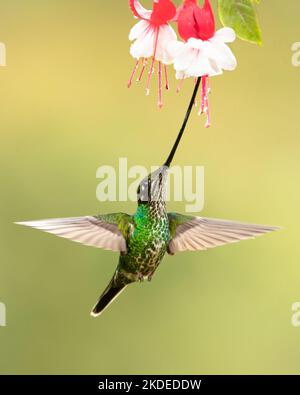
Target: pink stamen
(207, 112)
(205, 102)
(208, 120)
(208, 86)
(179, 86)
(166, 77)
(133, 73)
(152, 63)
(149, 76)
(160, 101)
(143, 69)
(202, 98)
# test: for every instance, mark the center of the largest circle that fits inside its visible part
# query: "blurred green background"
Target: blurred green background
(65, 110)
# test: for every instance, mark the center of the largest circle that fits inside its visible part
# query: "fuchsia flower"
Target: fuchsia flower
(204, 52)
(151, 36)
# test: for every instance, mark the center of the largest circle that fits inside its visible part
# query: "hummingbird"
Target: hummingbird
(144, 238)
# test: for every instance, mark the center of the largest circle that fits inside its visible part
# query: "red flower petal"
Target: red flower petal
(186, 21)
(163, 11)
(205, 21)
(196, 22)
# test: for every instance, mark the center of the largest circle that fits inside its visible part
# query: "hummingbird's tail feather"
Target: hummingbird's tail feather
(108, 296)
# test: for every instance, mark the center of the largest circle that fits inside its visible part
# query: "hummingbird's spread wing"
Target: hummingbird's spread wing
(103, 231)
(197, 233)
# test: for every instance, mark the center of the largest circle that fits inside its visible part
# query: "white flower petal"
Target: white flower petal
(192, 63)
(143, 47)
(224, 57)
(226, 35)
(185, 58)
(138, 30)
(195, 43)
(175, 47)
(144, 34)
(197, 58)
(166, 36)
(199, 66)
(231, 62)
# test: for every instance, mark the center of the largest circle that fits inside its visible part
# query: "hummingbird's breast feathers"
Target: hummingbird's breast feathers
(147, 244)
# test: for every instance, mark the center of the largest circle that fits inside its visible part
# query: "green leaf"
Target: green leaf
(241, 16)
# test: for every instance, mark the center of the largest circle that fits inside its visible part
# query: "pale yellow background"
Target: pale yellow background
(65, 110)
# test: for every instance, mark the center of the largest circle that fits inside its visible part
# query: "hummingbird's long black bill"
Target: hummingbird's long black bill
(181, 132)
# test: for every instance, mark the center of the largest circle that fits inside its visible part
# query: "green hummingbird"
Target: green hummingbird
(144, 238)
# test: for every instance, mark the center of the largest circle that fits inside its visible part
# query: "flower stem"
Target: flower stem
(181, 132)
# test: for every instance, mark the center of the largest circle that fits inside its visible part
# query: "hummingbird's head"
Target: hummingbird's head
(153, 188)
